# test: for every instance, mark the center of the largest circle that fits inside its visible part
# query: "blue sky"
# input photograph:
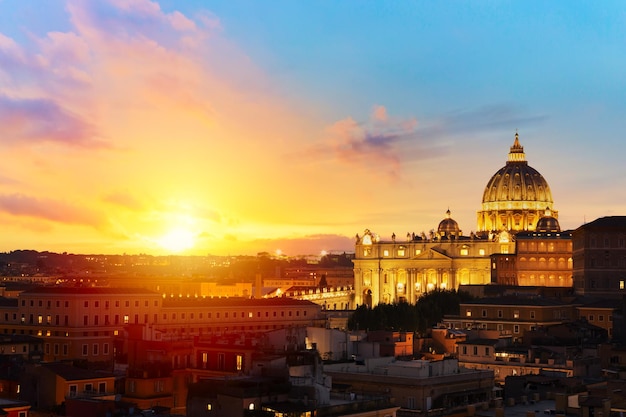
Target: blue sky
(314, 119)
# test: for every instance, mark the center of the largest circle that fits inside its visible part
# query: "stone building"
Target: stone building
(517, 201)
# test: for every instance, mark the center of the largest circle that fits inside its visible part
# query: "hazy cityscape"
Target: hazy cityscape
(312, 209)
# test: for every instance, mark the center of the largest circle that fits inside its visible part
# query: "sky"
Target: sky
(237, 127)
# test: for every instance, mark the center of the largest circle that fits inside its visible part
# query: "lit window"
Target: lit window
(386, 252)
(209, 407)
(516, 314)
(126, 319)
(251, 406)
(468, 313)
(401, 252)
(464, 252)
(418, 251)
(239, 362)
(621, 285)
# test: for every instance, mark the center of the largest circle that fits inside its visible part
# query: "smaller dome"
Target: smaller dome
(448, 226)
(548, 223)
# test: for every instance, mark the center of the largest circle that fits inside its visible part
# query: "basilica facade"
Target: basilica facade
(516, 201)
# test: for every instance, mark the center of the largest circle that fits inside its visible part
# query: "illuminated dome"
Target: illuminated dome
(548, 223)
(448, 226)
(515, 197)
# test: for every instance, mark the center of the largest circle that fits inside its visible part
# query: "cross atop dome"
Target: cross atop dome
(517, 151)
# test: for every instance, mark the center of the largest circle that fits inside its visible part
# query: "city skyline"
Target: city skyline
(236, 127)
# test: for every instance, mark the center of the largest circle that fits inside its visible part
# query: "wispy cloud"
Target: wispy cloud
(40, 120)
(373, 143)
(48, 209)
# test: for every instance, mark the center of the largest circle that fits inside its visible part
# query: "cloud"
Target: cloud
(40, 120)
(373, 143)
(124, 199)
(475, 120)
(48, 209)
(303, 245)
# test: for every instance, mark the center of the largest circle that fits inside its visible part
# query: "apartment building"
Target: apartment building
(511, 315)
(88, 323)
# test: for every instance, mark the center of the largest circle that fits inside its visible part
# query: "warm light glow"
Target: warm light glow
(177, 240)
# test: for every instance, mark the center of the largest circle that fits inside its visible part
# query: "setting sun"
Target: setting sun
(177, 240)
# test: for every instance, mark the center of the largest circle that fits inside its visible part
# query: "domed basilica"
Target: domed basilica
(518, 241)
(515, 197)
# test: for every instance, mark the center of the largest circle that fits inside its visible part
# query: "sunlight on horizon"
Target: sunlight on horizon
(177, 240)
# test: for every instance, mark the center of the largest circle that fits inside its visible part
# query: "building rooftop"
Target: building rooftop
(519, 301)
(72, 373)
(49, 290)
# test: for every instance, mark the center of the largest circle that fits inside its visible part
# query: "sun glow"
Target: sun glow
(177, 240)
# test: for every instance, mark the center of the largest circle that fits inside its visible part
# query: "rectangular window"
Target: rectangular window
(220, 361)
(102, 387)
(95, 349)
(88, 387)
(468, 313)
(73, 390)
(516, 328)
(86, 304)
(105, 348)
(516, 314)
(158, 386)
(532, 314)
(475, 350)
(85, 350)
(487, 351)
(484, 313)
(126, 319)
(239, 362)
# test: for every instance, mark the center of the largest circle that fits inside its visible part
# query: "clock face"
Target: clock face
(367, 240)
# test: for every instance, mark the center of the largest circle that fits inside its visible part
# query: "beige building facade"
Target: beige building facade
(516, 200)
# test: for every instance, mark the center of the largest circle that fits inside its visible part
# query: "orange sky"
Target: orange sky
(132, 129)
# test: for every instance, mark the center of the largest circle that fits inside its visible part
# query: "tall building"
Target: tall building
(516, 201)
(599, 253)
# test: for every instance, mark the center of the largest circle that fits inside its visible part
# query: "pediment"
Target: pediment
(432, 253)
